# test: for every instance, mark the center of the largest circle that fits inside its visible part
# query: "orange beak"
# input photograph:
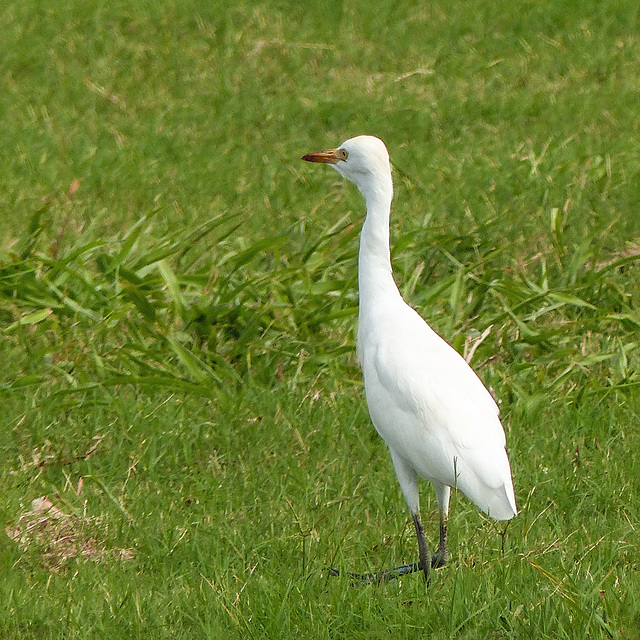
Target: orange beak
(332, 156)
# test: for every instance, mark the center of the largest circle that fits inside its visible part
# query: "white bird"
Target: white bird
(425, 401)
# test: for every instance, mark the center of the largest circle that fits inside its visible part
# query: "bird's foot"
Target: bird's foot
(389, 575)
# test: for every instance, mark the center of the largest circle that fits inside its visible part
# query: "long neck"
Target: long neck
(374, 263)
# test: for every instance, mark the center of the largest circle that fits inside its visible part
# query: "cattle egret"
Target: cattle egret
(425, 401)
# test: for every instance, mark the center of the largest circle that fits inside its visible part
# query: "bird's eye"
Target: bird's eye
(343, 154)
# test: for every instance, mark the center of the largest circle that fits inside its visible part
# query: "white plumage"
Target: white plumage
(437, 418)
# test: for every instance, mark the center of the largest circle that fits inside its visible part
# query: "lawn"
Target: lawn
(185, 448)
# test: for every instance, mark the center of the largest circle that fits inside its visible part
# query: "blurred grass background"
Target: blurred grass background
(178, 302)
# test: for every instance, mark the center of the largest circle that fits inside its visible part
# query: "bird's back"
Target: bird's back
(431, 408)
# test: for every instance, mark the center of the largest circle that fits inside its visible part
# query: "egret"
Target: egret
(433, 412)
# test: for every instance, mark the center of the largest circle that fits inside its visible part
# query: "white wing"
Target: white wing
(431, 408)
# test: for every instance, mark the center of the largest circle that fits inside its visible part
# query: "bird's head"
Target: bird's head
(364, 160)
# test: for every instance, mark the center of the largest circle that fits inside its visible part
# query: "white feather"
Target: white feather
(434, 413)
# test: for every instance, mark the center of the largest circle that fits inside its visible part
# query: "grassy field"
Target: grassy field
(184, 446)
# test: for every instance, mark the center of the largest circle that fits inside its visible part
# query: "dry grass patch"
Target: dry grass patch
(56, 537)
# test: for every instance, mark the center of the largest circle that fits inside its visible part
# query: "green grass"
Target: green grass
(178, 300)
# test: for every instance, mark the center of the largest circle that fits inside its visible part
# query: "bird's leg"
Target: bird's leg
(442, 554)
(443, 493)
(426, 563)
(423, 547)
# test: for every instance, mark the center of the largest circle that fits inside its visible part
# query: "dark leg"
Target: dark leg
(426, 563)
(408, 478)
(423, 547)
(442, 554)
